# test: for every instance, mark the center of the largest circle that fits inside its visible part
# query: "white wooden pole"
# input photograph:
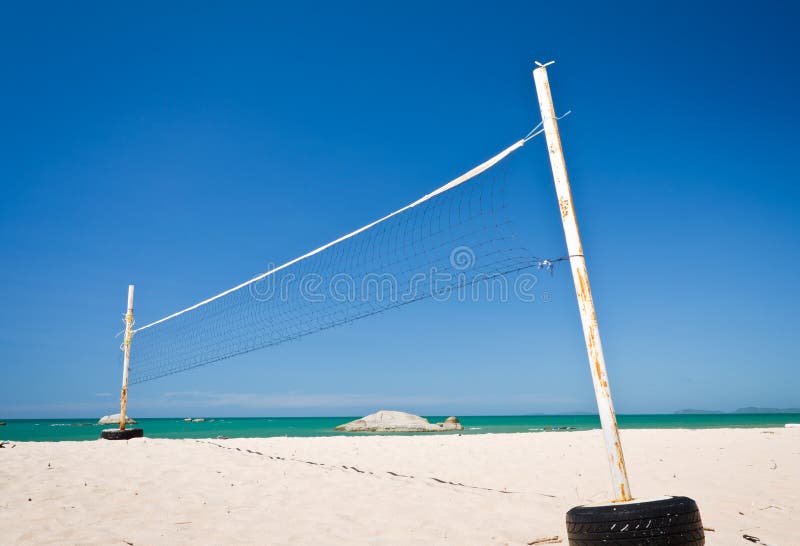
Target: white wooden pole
(126, 347)
(591, 334)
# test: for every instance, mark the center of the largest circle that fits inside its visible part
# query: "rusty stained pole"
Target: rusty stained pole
(126, 348)
(608, 420)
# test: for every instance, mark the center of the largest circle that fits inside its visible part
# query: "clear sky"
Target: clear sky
(183, 147)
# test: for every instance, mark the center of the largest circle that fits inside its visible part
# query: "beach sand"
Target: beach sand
(477, 489)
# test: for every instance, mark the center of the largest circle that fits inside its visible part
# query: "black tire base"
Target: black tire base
(670, 521)
(117, 434)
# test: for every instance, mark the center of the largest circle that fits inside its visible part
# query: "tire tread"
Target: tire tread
(120, 434)
(674, 521)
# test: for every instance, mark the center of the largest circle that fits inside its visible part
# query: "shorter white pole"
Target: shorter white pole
(580, 276)
(126, 347)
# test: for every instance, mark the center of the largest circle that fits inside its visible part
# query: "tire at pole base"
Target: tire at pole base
(117, 434)
(663, 522)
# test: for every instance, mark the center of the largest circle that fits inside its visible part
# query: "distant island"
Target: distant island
(767, 410)
(559, 413)
(740, 410)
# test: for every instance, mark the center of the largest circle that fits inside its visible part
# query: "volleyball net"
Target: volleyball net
(456, 236)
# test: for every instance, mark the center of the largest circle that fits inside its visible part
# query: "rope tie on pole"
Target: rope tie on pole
(549, 265)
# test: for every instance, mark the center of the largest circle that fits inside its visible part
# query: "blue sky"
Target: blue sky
(184, 147)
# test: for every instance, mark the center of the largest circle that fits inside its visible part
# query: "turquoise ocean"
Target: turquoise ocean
(51, 430)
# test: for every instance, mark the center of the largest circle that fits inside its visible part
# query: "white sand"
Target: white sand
(149, 491)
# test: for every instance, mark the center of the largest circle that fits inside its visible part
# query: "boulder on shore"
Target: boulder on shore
(114, 420)
(398, 421)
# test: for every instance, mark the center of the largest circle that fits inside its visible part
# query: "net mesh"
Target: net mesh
(457, 238)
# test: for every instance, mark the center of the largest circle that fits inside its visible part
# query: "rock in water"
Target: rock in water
(398, 421)
(114, 420)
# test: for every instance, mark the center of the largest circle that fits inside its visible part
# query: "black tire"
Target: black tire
(671, 521)
(117, 434)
